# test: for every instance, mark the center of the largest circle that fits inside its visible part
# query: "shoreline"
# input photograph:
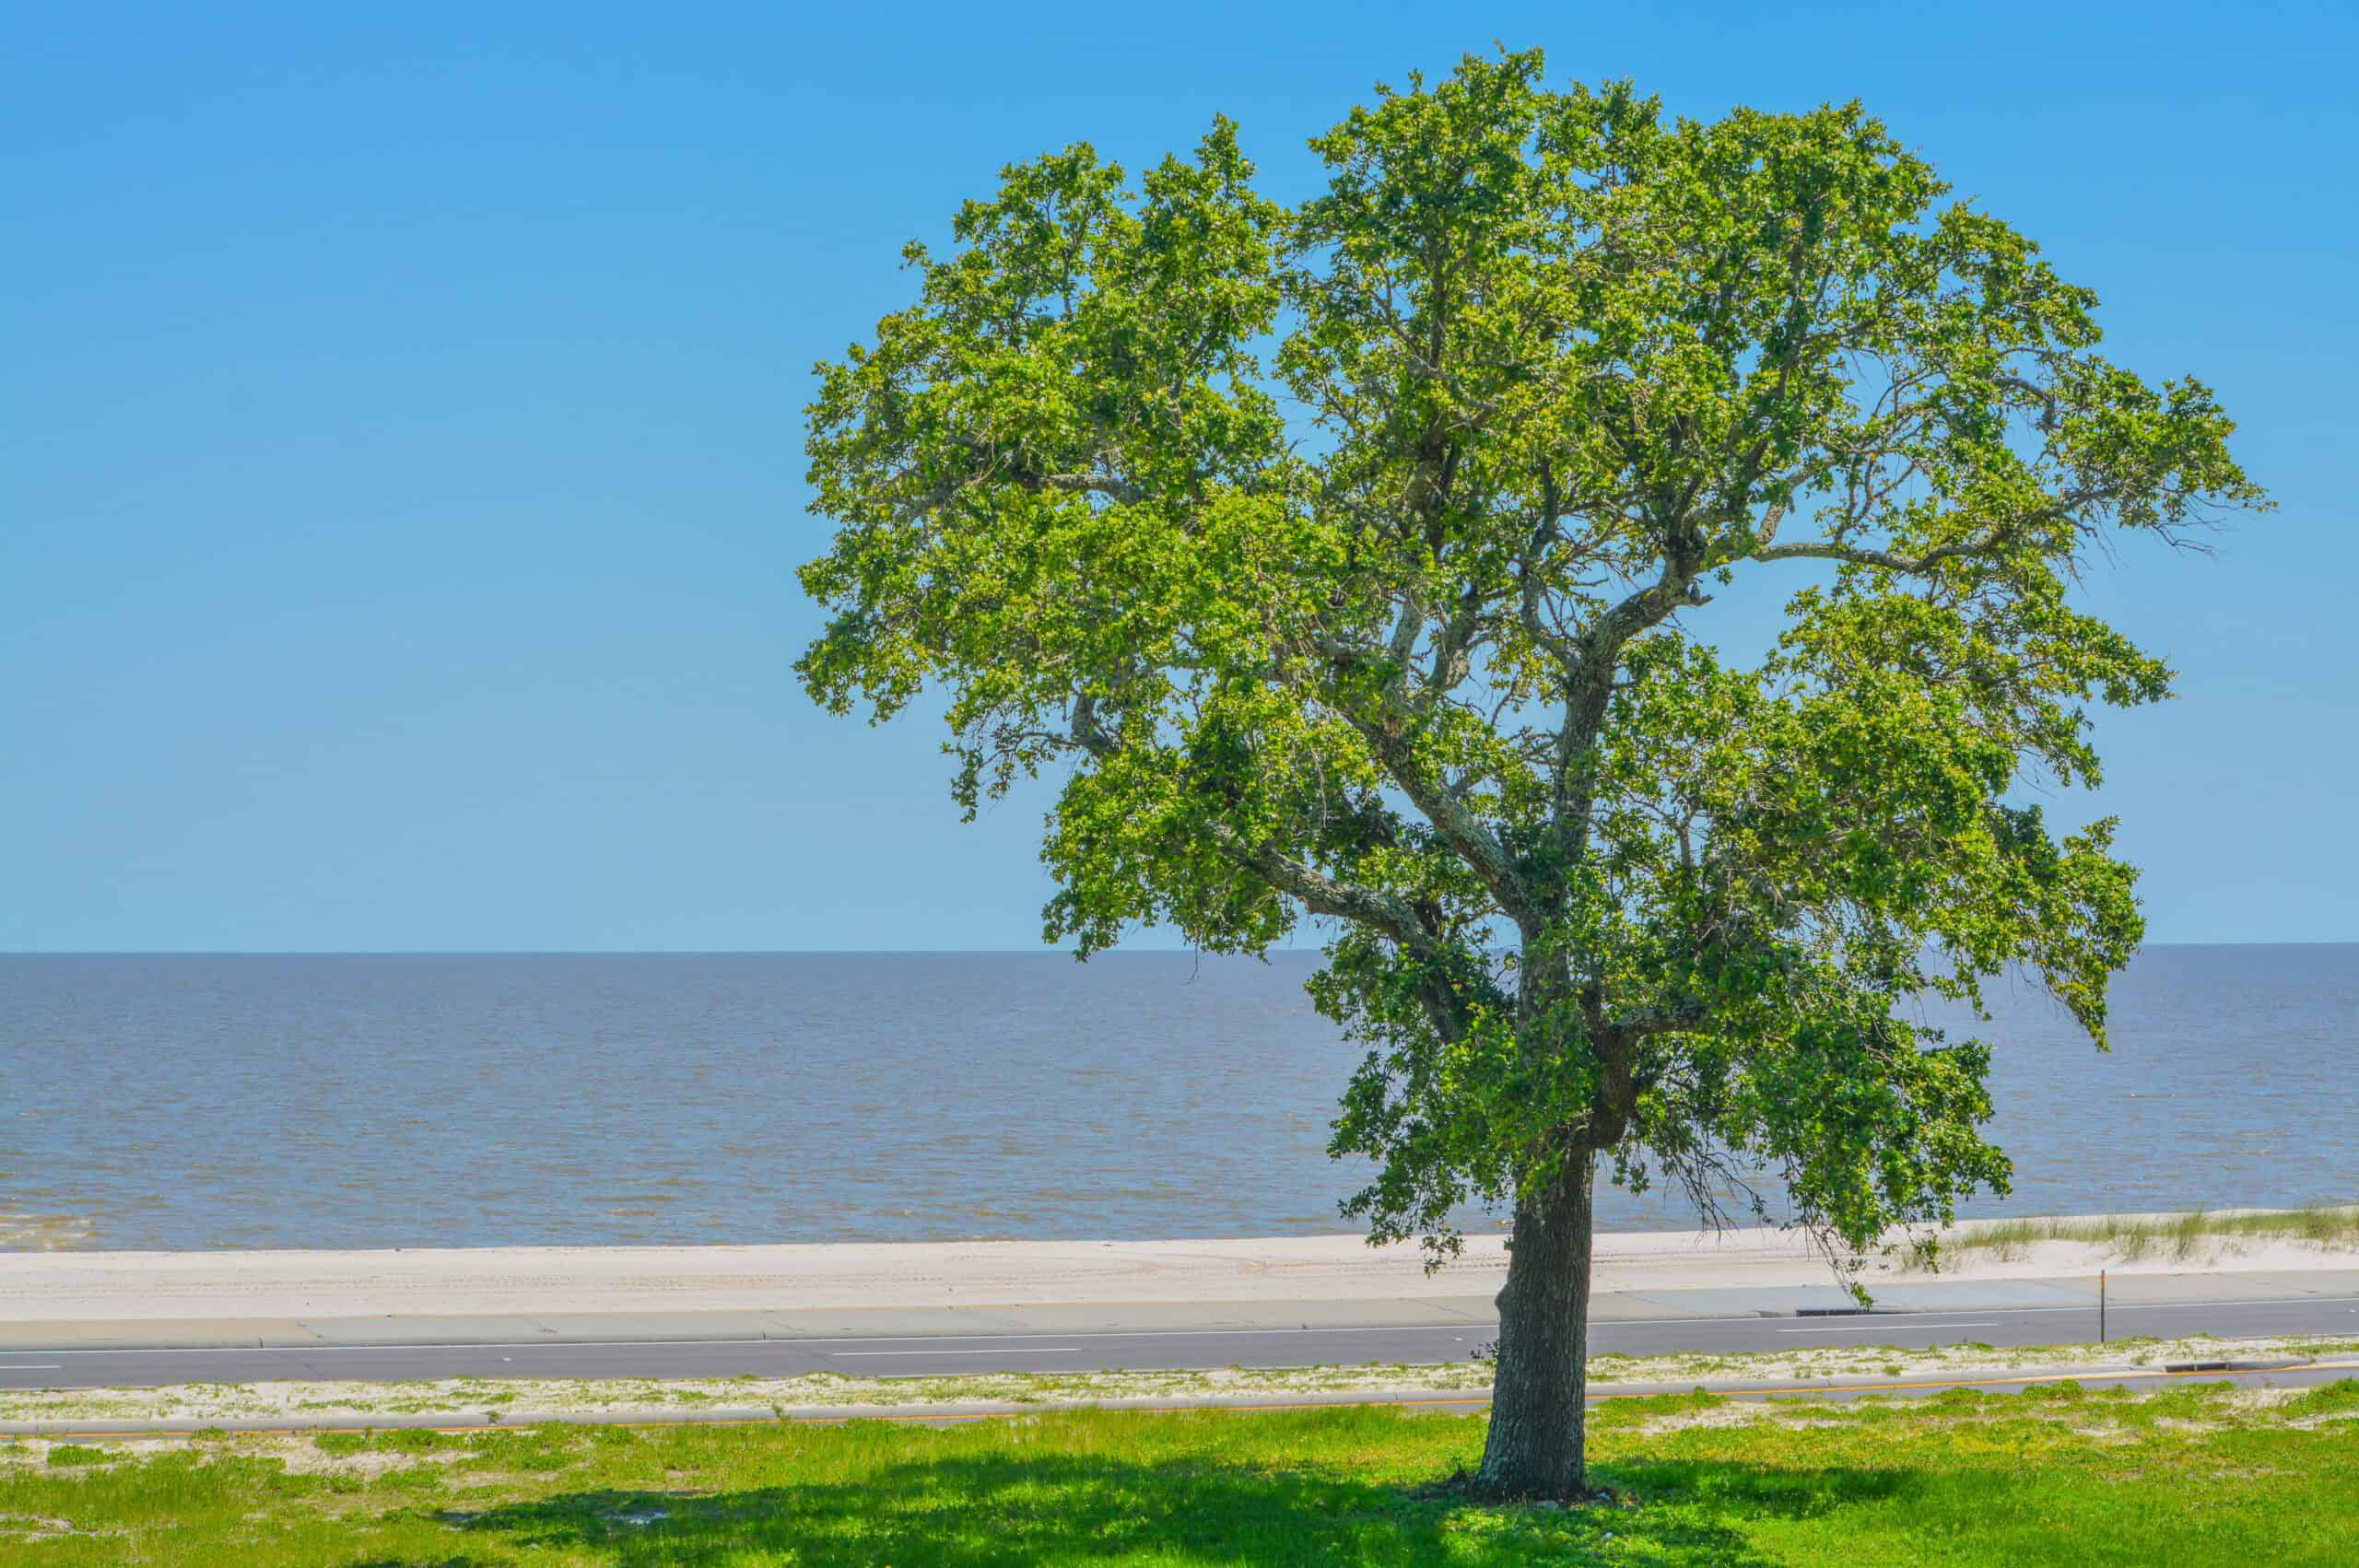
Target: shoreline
(95, 1287)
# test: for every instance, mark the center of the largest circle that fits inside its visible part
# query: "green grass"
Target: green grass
(2196, 1474)
(2172, 1235)
(75, 1454)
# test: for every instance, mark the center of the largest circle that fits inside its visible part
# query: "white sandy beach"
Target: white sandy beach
(133, 1286)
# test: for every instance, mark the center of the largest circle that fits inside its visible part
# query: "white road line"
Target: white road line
(1092, 1334)
(1034, 1350)
(1462, 1326)
(31, 1366)
(1870, 1322)
(817, 1340)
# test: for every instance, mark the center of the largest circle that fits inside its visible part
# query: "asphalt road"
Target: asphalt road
(1144, 1350)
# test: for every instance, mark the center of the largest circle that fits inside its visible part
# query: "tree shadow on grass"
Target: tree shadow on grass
(1079, 1509)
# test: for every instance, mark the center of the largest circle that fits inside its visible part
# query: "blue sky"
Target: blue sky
(400, 474)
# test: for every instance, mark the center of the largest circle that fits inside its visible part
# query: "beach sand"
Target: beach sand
(94, 1286)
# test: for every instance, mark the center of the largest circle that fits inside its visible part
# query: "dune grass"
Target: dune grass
(2200, 1473)
(2176, 1236)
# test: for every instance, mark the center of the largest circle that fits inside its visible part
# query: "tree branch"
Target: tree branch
(1319, 892)
(1324, 895)
(1456, 822)
(1915, 565)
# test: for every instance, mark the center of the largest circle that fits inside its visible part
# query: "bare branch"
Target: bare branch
(1917, 566)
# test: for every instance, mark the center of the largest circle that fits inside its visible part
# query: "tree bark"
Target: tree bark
(1541, 1377)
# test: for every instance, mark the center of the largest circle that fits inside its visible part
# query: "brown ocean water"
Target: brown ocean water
(192, 1101)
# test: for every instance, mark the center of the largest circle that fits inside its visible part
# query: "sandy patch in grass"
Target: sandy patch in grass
(1853, 1362)
(522, 1401)
(305, 1457)
(24, 1529)
(34, 1451)
(1735, 1412)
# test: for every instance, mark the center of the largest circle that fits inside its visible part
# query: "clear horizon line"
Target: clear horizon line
(1043, 952)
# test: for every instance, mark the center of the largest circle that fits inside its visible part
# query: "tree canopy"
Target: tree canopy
(1352, 560)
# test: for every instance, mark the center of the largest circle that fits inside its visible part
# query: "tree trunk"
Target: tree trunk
(1542, 1375)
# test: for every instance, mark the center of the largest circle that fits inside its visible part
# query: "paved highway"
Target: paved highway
(1145, 1350)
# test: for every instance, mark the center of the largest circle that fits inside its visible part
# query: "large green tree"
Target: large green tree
(1349, 560)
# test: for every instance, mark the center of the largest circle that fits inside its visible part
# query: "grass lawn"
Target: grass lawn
(2194, 1474)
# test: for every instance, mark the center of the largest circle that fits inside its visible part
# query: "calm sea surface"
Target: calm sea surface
(384, 1101)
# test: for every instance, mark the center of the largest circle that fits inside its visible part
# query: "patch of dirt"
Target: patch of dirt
(2113, 1434)
(303, 1458)
(2311, 1423)
(26, 1528)
(1736, 1413)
